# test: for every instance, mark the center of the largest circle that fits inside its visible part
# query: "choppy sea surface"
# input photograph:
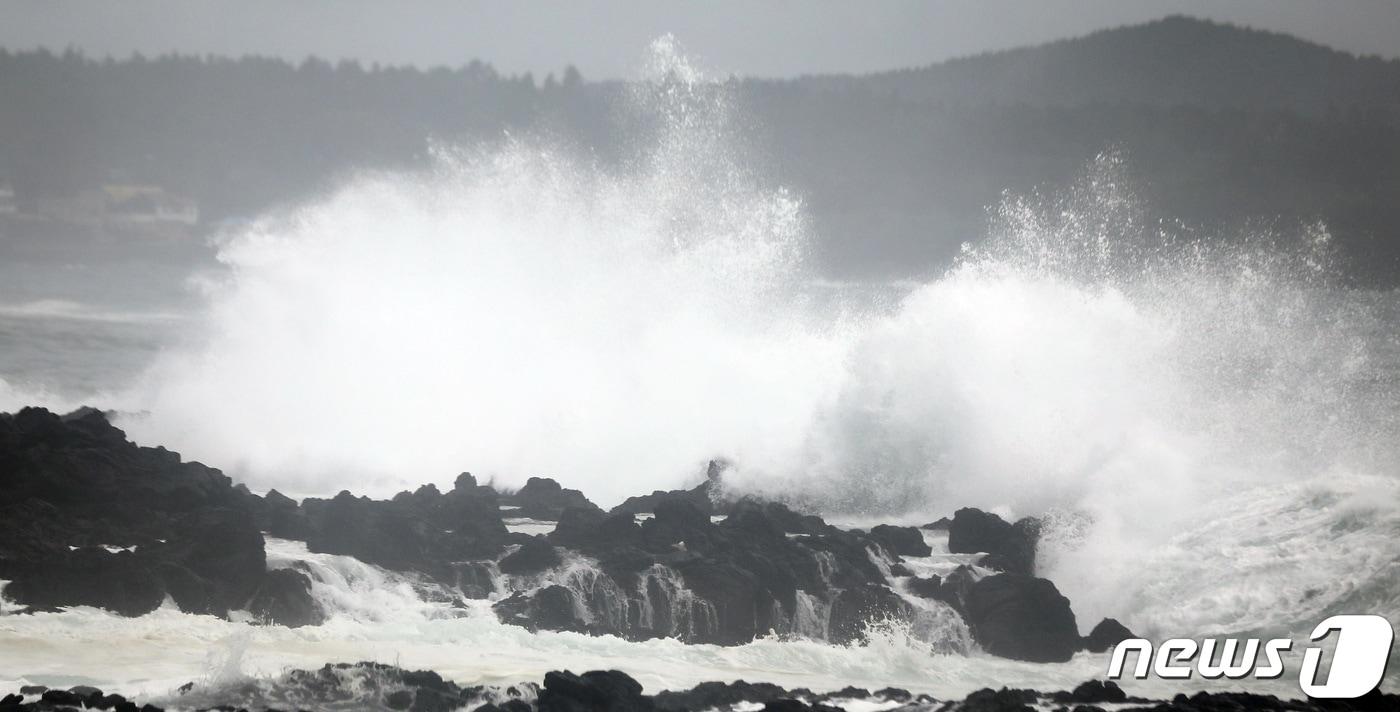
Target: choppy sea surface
(1210, 427)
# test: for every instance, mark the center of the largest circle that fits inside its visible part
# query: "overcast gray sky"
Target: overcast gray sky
(606, 39)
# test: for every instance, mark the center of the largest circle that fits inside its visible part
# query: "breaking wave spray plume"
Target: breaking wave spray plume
(1211, 430)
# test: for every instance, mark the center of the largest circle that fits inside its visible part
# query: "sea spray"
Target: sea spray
(1179, 405)
(516, 311)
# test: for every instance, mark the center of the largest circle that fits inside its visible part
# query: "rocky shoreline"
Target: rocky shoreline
(383, 687)
(95, 520)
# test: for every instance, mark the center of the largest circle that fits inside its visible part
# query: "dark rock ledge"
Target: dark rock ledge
(94, 520)
(374, 686)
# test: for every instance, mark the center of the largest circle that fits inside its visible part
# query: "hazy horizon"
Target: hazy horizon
(601, 39)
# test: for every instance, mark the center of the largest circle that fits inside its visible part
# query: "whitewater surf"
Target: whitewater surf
(1170, 408)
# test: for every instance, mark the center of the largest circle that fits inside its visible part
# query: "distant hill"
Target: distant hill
(1173, 61)
(1221, 126)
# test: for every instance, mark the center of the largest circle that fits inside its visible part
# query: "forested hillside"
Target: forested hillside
(1221, 126)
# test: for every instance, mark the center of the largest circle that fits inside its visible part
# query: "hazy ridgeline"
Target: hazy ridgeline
(1221, 126)
(1155, 346)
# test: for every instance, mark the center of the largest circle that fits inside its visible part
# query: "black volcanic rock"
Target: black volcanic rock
(223, 551)
(532, 557)
(1010, 547)
(92, 519)
(711, 695)
(698, 496)
(580, 526)
(600, 690)
(957, 588)
(118, 582)
(1092, 692)
(930, 587)
(1107, 634)
(1021, 617)
(677, 520)
(282, 517)
(853, 609)
(706, 496)
(680, 574)
(474, 579)
(543, 498)
(284, 598)
(550, 608)
(421, 531)
(368, 685)
(904, 541)
(1003, 700)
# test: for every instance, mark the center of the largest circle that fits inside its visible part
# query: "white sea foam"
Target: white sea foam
(1212, 424)
(386, 617)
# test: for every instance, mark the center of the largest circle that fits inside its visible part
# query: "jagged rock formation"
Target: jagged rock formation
(1009, 547)
(1108, 633)
(707, 496)
(543, 498)
(91, 519)
(421, 531)
(95, 520)
(376, 686)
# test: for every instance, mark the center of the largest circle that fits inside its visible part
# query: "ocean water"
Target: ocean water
(1209, 425)
(386, 617)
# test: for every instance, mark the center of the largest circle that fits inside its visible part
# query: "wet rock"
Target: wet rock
(610, 691)
(678, 520)
(956, 588)
(366, 685)
(285, 599)
(698, 497)
(62, 697)
(1009, 547)
(423, 531)
(506, 706)
(711, 695)
(475, 579)
(532, 557)
(86, 577)
(221, 550)
(92, 519)
(741, 608)
(930, 587)
(778, 516)
(850, 693)
(550, 608)
(904, 541)
(579, 527)
(432, 700)
(1106, 635)
(1021, 617)
(108, 702)
(897, 694)
(543, 498)
(854, 609)
(282, 517)
(701, 581)
(1092, 692)
(1003, 700)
